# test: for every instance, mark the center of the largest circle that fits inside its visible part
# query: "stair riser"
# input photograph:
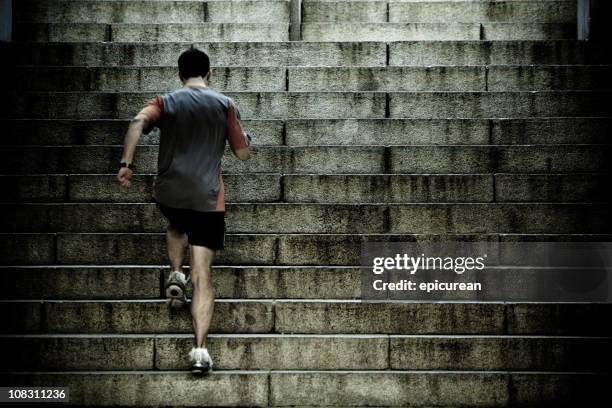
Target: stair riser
(400, 12)
(326, 188)
(326, 105)
(198, 32)
(221, 54)
(334, 131)
(344, 54)
(250, 11)
(325, 388)
(318, 317)
(321, 218)
(436, 31)
(391, 79)
(328, 159)
(324, 353)
(144, 283)
(232, 389)
(150, 249)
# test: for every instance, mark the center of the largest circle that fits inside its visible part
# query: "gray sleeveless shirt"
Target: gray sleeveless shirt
(193, 133)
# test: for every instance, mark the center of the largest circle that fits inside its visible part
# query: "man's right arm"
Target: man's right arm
(239, 140)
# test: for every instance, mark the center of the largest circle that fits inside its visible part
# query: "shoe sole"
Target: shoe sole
(175, 295)
(201, 370)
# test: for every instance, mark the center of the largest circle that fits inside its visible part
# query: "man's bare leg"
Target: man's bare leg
(177, 244)
(202, 302)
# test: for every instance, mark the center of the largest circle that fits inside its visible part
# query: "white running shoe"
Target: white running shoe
(176, 289)
(201, 363)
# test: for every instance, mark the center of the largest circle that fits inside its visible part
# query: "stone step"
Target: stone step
(171, 32)
(323, 388)
(347, 31)
(438, 11)
(484, 11)
(312, 79)
(496, 52)
(134, 316)
(281, 54)
(123, 282)
(440, 218)
(422, 159)
(150, 79)
(322, 316)
(139, 11)
(327, 188)
(449, 78)
(272, 249)
(145, 282)
(323, 105)
(294, 132)
(299, 53)
(436, 31)
(307, 352)
(104, 188)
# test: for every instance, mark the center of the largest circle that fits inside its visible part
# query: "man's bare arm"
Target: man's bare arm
(137, 126)
(239, 140)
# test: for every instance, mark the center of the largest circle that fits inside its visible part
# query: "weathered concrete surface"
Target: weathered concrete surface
(171, 32)
(407, 131)
(58, 11)
(497, 104)
(528, 31)
(340, 388)
(498, 52)
(39, 352)
(393, 79)
(27, 248)
(238, 388)
(410, 388)
(143, 282)
(391, 31)
(482, 11)
(551, 187)
(558, 77)
(243, 316)
(386, 131)
(307, 352)
(151, 79)
(495, 353)
(331, 218)
(327, 105)
(285, 249)
(49, 132)
(440, 318)
(280, 352)
(150, 249)
(344, 11)
(330, 159)
(550, 131)
(57, 282)
(510, 159)
(241, 53)
(387, 188)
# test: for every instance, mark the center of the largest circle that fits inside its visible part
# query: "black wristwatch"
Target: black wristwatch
(128, 165)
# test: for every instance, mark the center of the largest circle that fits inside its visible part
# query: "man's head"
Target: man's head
(193, 63)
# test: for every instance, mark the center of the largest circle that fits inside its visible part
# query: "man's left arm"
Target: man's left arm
(143, 122)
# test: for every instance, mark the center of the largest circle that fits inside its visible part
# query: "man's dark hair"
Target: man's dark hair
(193, 63)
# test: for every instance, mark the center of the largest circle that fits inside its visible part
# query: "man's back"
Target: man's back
(195, 122)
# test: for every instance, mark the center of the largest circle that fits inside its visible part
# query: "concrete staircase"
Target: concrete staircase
(391, 120)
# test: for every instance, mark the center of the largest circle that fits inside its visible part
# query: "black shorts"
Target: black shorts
(203, 228)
